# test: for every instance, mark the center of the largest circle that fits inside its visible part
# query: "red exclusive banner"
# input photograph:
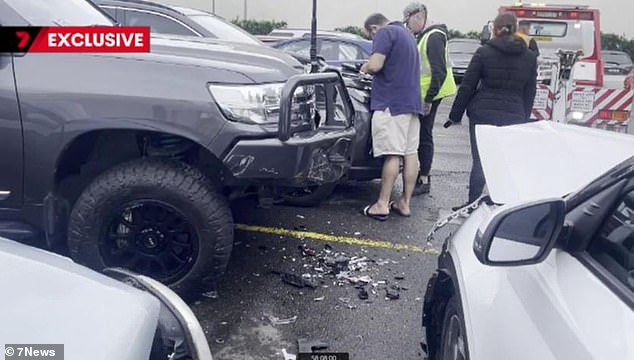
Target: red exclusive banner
(91, 39)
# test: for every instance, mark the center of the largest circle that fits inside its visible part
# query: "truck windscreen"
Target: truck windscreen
(547, 28)
(552, 35)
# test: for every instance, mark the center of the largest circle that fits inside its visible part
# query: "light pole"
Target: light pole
(313, 40)
(245, 9)
(213, 7)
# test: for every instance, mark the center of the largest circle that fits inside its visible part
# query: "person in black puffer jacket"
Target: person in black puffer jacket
(498, 89)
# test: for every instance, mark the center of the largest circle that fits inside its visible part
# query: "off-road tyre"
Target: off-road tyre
(178, 186)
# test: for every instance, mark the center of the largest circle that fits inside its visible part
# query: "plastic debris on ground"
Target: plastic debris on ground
(363, 294)
(211, 294)
(392, 293)
(346, 302)
(277, 321)
(295, 280)
(291, 279)
(321, 268)
(288, 356)
(310, 281)
(306, 251)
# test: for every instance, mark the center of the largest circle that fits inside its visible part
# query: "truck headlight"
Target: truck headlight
(260, 104)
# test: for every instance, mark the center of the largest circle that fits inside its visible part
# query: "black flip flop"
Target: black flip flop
(394, 208)
(379, 217)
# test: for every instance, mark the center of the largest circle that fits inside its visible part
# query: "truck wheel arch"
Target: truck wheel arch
(82, 160)
(123, 145)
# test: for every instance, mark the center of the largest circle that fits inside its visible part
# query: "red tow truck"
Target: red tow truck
(572, 87)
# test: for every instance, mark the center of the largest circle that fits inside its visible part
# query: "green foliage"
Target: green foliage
(473, 35)
(456, 34)
(353, 30)
(259, 27)
(617, 42)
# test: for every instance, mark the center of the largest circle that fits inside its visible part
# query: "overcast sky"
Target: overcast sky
(617, 16)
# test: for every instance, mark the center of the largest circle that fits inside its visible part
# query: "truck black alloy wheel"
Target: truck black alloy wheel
(152, 238)
(156, 217)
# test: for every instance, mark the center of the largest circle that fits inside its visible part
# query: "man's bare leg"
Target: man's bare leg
(410, 173)
(389, 174)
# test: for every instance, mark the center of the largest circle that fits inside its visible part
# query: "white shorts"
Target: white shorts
(395, 135)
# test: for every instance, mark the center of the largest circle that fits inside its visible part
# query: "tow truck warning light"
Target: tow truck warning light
(563, 15)
(544, 11)
(549, 14)
(616, 115)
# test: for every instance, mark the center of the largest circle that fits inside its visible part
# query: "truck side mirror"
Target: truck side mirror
(523, 235)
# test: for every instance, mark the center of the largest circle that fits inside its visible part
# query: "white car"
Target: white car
(49, 299)
(542, 268)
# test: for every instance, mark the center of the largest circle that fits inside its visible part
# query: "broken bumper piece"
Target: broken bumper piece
(321, 158)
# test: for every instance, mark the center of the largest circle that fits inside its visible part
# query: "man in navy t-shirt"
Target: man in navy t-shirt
(396, 102)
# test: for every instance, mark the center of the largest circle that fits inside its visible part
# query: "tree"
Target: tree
(353, 30)
(473, 35)
(617, 42)
(457, 34)
(259, 27)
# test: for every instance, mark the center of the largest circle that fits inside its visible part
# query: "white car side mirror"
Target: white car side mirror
(523, 235)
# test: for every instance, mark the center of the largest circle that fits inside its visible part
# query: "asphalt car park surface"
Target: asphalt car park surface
(245, 317)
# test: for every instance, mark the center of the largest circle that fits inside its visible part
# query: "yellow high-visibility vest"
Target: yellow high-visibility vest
(448, 87)
(526, 38)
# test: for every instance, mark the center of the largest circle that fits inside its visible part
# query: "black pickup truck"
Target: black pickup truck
(130, 160)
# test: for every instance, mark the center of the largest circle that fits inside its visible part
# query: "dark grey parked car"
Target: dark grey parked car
(616, 62)
(460, 53)
(174, 20)
(335, 50)
(129, 160)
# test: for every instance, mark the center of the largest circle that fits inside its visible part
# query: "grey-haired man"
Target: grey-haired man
(436, 83)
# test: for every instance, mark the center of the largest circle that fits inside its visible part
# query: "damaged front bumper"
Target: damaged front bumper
(317, 159)
(297, 157)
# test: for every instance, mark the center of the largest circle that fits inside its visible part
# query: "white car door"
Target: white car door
(582, 305)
